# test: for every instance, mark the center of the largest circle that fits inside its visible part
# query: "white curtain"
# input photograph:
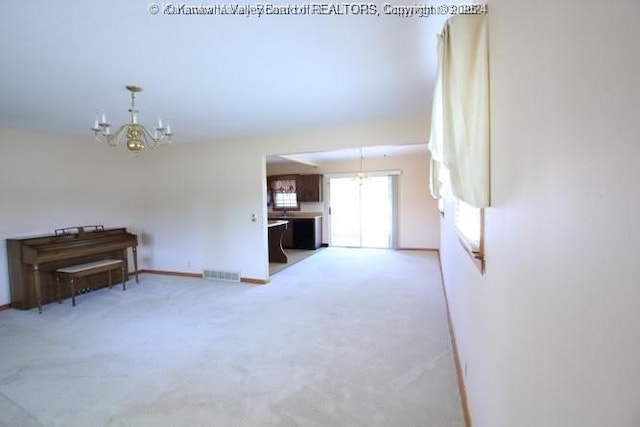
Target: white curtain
(459, 140)
(440, 180)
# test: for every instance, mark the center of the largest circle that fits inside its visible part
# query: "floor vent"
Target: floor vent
(225, 276)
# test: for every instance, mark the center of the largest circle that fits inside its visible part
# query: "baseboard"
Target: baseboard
(326, 245)
(171, 273)
(462, 389)
(418, 249)
(199, 275)
(254, 281)
(5, 307)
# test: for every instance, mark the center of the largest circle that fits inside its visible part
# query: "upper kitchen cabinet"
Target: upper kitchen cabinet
(309, 188)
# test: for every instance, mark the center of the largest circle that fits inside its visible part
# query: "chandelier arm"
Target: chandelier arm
(148, 136)
(116, 138)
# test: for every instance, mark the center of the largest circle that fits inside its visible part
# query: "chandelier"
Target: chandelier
(136, 136)
(361, 176)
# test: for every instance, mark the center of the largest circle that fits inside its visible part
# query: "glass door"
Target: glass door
(361, 211)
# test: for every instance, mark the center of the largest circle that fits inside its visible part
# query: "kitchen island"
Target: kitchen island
(276, 229)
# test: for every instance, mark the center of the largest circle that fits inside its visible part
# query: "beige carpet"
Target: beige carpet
(347, 337)
(294, 256)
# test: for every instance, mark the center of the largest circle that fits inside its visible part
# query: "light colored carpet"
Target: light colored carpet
(348, 337)
(294, 256)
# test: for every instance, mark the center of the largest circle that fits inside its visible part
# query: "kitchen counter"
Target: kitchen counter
(278, 216)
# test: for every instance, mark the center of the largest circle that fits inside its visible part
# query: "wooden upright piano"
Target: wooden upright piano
(34, 260)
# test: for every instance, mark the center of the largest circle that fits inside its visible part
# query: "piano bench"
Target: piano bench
(82, 270)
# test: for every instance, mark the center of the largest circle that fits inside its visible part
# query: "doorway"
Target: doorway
(362, 211)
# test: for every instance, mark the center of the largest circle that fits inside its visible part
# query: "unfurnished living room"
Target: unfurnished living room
(319, 214)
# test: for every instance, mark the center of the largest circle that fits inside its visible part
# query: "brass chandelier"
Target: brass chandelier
(136, 136)
(361, 176)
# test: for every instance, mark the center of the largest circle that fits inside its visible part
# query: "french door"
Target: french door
(362, 211)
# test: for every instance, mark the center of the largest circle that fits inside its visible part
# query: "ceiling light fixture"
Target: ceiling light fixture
(361, 176)
(137, 137)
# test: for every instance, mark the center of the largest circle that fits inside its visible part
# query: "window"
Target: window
(459, 139)
(469, 222)
(284, 192)
(285, 201)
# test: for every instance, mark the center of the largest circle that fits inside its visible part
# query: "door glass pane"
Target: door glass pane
(375, 206)
(361, 212)
(345, 212)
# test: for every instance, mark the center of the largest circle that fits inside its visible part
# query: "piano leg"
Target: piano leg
(36, 280)
(135, 261)
(58, 289)
(124, 279)
(73, 291)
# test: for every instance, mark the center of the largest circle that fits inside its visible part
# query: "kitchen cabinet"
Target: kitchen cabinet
(302, 232)
(309, 188)
(307, 233)
(287, 236)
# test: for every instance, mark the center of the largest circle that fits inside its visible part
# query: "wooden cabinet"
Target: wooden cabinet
(302, 233)
(309, 188)
(307, 233)
(287, 236)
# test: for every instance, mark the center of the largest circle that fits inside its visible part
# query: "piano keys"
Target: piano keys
(34, 260)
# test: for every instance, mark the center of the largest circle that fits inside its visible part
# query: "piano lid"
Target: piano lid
(71, 242)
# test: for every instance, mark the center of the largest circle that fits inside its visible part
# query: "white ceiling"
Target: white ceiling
(213, 77)
(315, 159)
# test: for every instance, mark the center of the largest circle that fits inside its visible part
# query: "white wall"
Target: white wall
(48, 183)
(198, 208)
(418, 215)
(550, 334)
(190, 204)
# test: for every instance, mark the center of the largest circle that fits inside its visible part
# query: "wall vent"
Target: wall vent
(224, 276)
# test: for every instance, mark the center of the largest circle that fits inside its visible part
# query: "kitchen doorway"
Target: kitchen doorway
(362, 211)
